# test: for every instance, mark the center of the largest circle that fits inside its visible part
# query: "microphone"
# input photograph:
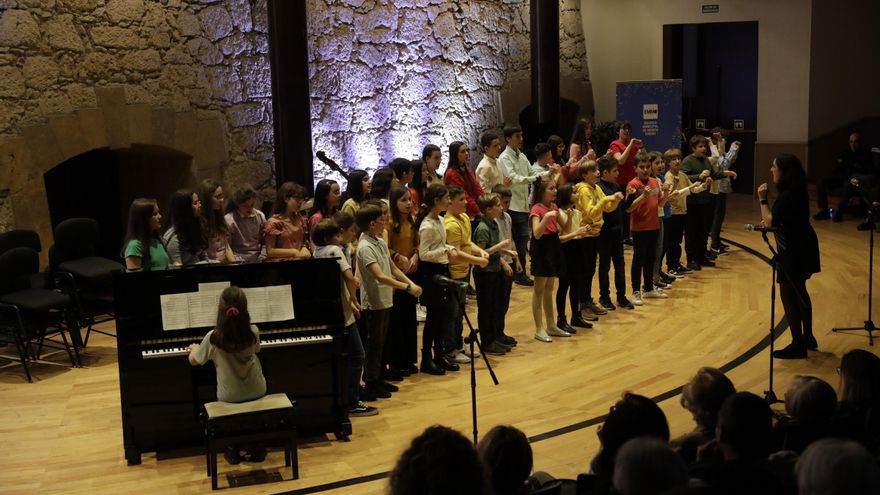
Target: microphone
(448, 282)
(759, 228)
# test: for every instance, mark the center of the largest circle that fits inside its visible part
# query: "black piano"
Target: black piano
(304, 357)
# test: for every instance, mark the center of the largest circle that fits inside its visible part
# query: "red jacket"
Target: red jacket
(472, 191)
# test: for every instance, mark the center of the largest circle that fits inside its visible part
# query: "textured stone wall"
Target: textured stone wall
(389, 76)
(206, 59)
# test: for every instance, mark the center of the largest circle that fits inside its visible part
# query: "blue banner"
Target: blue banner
(654, 110)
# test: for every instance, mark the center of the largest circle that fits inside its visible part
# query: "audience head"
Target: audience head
(583, 130)
(289, 199)
(507, 457)
(645, 466)
(243, 200)
(631, 417)
(810, 400)
(788, 173)
(358, 186)
(855, 142)
(233, 330)
(836, 467)
(383, 179)
(704, 395)
(744, 427)
(439, 461)
(324, 231)
(860, 378)
(327, 197)
(403, 170)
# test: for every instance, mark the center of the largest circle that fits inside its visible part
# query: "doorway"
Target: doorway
(718, 66)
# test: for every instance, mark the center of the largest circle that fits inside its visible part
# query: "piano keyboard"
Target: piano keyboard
(282, 342)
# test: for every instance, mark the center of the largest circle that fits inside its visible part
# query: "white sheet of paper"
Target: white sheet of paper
(199, 309)
(175, 311)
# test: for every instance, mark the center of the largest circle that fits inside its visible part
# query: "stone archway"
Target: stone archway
(113, 124)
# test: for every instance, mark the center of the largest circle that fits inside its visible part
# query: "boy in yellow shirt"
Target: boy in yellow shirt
(458, 235)
(592, 203)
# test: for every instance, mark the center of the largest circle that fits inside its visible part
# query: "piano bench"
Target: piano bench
(269, 418)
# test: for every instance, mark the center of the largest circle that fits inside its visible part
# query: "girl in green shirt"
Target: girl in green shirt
(144, 222)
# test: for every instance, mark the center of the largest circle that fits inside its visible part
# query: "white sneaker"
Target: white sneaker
(557, 332)
(656, 294)
(460, 357)
(637, 299)
(541, 334)
(421, 313)
(466, 350)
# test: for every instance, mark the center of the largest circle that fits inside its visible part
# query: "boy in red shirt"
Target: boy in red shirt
(643, 197)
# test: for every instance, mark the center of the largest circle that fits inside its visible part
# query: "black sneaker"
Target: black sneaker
(707, 262)
(256, 454)
(623, 302)
(367, 395)
(494, 349)
(447, 364)
(677, 272)
(392, 375)
(377, 390)
(523, 279)
(580, 322)
(607, 304)
(565, 327)
(661, 284)
(361, 410)
(694, 266)
(507, 340)
(386, 386)
(667, 278)
(685, 269)
(790, 352)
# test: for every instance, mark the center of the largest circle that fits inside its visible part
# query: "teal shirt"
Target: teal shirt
(158, 255)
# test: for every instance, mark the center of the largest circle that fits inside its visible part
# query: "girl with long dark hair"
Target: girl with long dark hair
(459, 173)
(356, 191)
(432, 156)
(798, 249)
(143, 248)
(401, 345)
(326, 201)
(213, 222)
(183, 239)
(383, 181)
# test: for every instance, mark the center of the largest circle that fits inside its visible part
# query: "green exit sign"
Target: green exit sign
(710, 8)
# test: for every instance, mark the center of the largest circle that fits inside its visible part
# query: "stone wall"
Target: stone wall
(389, 76)
(193, 75)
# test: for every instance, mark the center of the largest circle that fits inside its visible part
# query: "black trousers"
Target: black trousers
(377, 328)
(505, 286)
(699, 217)
(590, 248)
(798, 307)
(644, 252)
(718, 219)
(519, 226)
(570, 281)
(402, 340)
(839, 185)
(610, 247)
(673, 229)
(489, 295)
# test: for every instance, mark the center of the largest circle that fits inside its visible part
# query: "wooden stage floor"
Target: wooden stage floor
(62, 433)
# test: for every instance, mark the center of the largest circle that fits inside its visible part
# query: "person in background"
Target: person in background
(853, 163)
(509, 263)
(702, 396)
(459, 173)
(610, 243)
(383, 181)
(489, 171)
(625, 148)
(488, 279)
(440, 460)
(548, 262)
(213, 223)
(326, 201)
(357, 190)
(284, 231)
(184, 239)
(567, 197)
(246, 224)
(724, 161)
(507, 456)
(144, 222)
(401, 346)
(432, 156)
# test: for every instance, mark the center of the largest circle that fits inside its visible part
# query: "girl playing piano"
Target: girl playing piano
(233, 345)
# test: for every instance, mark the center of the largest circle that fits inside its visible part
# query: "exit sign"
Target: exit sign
(711, 8)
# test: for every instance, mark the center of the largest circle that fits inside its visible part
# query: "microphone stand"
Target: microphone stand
(869, 323)
(471, 340)
(770, 395)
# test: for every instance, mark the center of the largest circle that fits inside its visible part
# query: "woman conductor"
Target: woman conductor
(798, 249)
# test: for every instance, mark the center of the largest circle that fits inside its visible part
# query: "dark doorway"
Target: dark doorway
(102, 183)
(718, 65)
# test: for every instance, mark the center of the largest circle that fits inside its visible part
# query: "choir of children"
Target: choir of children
(574, 220)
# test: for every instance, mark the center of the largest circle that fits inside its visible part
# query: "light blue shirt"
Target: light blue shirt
(516, 166)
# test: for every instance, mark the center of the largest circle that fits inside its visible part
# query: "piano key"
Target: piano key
(282, 342)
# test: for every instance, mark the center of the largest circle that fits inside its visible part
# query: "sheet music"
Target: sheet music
(175, 311)
(199, 309)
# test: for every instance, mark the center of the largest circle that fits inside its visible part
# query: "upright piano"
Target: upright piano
(304, 357)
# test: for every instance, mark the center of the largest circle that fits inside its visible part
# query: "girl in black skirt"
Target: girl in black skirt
(545, 222)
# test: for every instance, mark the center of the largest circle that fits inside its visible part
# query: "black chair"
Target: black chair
(74, 252)
(20, 238)
(32, 315)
